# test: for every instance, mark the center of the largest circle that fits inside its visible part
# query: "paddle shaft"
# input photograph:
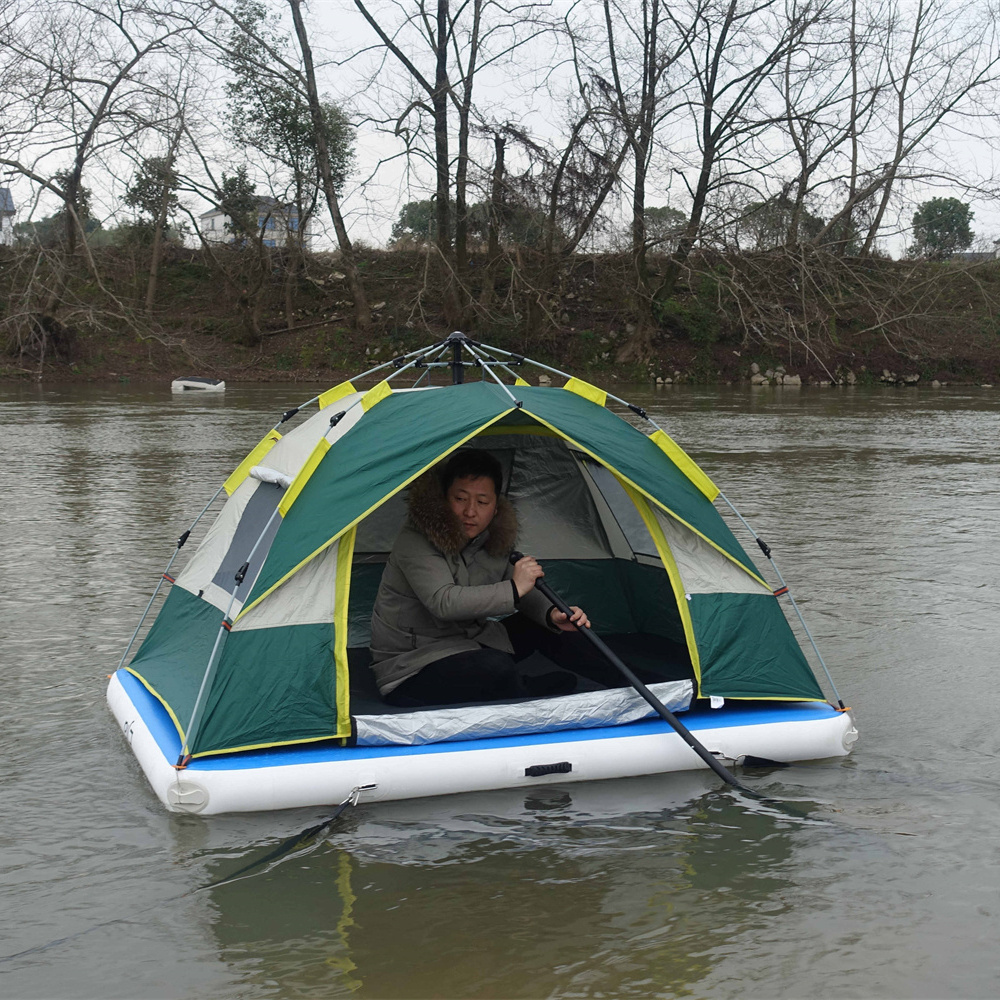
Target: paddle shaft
(664, 713)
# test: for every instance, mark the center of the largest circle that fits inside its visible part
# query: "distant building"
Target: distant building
(975, 256)
(277, 220)
(7, 212)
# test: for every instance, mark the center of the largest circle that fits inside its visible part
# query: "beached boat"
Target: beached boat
(252, 688)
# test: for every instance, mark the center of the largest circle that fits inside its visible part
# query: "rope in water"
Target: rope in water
(309, 838)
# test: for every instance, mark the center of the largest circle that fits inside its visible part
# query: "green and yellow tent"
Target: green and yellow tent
(256, 642)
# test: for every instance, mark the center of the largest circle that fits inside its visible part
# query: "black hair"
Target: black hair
(472, 462)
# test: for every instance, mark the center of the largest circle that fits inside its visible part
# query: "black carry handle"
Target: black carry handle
(546, 591)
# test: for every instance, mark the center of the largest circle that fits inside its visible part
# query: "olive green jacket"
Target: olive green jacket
(441, 591)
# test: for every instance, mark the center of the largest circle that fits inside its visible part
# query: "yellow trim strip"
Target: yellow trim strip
(588, 391)
(520, 381)
(337, 392)
(242, 470)
(375, 395)
(268, 746)
(647, 495)
(673, 574)
(685, 463)
(731, 697)
(361, 517)
(519, 429)
(156, 694)
(341, 600)
(310, 466)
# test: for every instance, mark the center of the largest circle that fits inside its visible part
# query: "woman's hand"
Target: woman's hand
(526, 572)
(572, 622)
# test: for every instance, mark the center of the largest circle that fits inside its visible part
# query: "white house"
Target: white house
(277, 220)
(7, 212)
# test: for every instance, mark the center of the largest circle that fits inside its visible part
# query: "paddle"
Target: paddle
(664, 713)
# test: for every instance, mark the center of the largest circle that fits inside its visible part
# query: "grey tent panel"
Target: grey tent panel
(256, 515)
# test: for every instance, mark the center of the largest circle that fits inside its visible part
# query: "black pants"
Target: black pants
(488, 674)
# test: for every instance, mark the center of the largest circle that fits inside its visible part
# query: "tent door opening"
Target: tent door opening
(578, 520)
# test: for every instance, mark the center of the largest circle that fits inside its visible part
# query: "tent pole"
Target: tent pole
(785, 590)
(398, 371)
(165, 575)
(185, 754)
(225, 627)
(288, 414)
(496, 378)
(402, 357)
(456, 340)
(428, 365)
(531, 361)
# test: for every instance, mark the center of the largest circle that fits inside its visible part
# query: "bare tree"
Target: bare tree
(443, 48)
(362, 315)
(565, 186)
(645, 102)
(495, 218)
(825, 109)
(639, 46)
(934, 71)
(153, 189)
(92, 57)
(734, 50)
(245, 41)
(81, 74)
(154, 192)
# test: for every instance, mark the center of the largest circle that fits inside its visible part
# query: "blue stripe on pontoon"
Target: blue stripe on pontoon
(159, 724)
(733, 714)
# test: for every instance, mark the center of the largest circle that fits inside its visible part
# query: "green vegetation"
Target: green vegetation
(858, 316)
(941, 228)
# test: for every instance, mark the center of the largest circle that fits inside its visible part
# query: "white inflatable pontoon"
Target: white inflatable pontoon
(325, 774)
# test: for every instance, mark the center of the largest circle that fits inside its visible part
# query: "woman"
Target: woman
(435, 640)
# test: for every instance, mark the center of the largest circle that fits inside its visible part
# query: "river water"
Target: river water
(881, 506)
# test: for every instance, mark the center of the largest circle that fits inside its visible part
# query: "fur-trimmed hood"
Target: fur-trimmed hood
(435, 520)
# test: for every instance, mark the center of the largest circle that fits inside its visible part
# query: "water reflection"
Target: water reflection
(630, 889)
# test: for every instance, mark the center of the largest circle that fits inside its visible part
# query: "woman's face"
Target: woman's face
(474, 501)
